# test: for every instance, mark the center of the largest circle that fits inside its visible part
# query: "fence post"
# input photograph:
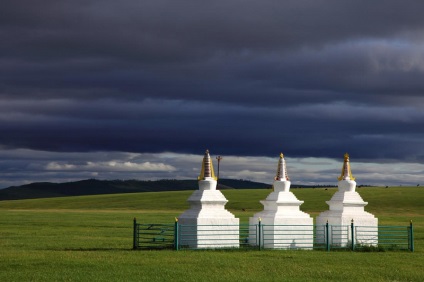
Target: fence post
(352, 228)
(176, 239)
(259, 234)
(327, 237)
(135, 241)
(411, 236)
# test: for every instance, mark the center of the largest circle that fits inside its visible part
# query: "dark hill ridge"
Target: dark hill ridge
(96, 187)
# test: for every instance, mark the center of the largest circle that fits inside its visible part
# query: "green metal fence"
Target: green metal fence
(260, 236)
(386, 237)
(153, 236)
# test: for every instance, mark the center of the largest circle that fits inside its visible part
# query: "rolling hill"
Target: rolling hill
(98, 187)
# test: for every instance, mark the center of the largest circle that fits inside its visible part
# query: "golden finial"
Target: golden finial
(207, 167)
(346, 172)
(281, 169)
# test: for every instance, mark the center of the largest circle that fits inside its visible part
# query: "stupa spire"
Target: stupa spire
(207, 167)
(346, 172)
(282, 170)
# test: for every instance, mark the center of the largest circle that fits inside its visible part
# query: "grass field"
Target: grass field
(89, 238)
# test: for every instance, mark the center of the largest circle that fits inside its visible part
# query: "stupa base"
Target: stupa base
(209, 233)
(340, 231)
(282, 232)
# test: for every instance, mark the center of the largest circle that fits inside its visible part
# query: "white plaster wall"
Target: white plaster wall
(345, 205)
(207, 224)
(285, 226)
(207, 233)
(283, 233)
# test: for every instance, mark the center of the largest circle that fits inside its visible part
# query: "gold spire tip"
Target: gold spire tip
(207, 167)
(346, 172)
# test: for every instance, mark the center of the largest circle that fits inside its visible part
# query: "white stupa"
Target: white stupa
(347, 205)
(207, 224)
(284, 224)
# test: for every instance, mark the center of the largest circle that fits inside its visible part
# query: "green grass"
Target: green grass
(89, 239)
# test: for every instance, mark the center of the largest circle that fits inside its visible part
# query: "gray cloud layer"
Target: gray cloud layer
(21, 166)
(248, 78)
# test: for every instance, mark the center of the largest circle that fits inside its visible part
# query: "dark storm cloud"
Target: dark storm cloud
(180, 126)
(311, 78)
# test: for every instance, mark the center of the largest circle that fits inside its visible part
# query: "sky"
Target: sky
(140, 89)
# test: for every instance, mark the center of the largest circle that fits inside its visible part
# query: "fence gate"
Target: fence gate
(153, 236)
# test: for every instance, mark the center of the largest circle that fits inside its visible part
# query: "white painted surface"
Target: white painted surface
(285, 226)
(345, 205)
(207, 224)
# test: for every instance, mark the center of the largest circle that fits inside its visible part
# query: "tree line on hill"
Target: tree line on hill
(96, 187)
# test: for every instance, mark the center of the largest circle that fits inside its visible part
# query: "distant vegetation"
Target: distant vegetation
(98, 187)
